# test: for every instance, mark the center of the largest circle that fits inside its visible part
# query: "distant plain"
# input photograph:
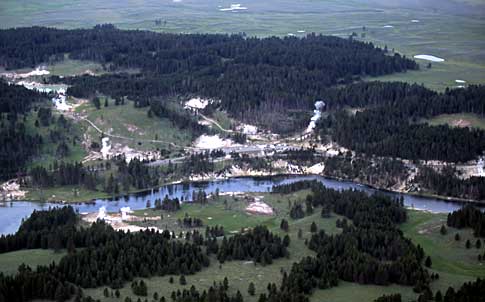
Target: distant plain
(449, 29)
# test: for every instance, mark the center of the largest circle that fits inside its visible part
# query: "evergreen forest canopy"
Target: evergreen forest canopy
(17, 144)
(390, 122)
(246, 73)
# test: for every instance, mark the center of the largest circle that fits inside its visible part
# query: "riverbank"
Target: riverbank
(61, 194)
(13, 213)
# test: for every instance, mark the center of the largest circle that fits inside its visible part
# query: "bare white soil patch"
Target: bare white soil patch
(39, 71)
(10, 190)
(260, 208)
(233, 7)
(316, 169)
(197, 103)
(119, 221)
(248, 129)
(212, 142)
(429, 58)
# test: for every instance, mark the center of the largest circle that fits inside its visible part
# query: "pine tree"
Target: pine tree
(284, 225)
(428, 262)
(443, 230)
(313, 227)
(438, 297)
(251, 289)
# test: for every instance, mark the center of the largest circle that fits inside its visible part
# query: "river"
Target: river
(11, 214)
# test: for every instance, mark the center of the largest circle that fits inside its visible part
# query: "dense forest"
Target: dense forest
(97, 255)
(370, 251)
(17, 143)
(247, 74)
(468, 217)
(258, 245)
(446, 183)
(382, 172)
(388, 121)
(27, 127)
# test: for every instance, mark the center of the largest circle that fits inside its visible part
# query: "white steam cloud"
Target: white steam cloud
(317, 114)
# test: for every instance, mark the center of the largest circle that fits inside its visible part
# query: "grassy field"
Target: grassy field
(74, 67)
(448, 256)
(64, 193)
(450, 29)
(451, 260)
(128, 121)
(454, 120)
(9, 262)
(233, 218)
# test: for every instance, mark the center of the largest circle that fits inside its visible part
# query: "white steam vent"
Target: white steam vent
(317, 114)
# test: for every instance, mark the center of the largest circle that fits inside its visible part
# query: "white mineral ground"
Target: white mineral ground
(197, 103)
(212, 142)
(233, 7)
(119, 221)
(429, 58)
(259, 207)
(39, 71)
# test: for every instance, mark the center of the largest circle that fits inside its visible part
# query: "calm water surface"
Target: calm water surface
(11, 214)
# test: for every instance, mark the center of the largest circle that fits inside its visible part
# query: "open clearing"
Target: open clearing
(128, 121)
(9, 262)
(458, 120)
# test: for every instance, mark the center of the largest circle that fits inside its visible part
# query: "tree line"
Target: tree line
(468, 217)
(257, 79)
(446, 183)
(17, 144)
(258, 245)
(390, 123)
(371, 250)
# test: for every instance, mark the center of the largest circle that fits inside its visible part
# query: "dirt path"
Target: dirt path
(129, 138)
(214, 122)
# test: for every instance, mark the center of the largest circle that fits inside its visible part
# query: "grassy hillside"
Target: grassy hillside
(9, 262)
(128, 121)
(458, 120)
